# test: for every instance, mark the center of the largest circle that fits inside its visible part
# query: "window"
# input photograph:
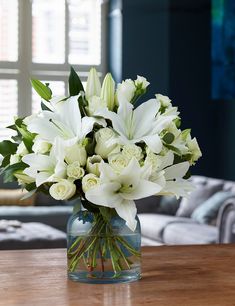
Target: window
(41, 39)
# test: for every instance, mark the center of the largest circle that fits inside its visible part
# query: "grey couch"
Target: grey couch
(46, 210)
(174, 224)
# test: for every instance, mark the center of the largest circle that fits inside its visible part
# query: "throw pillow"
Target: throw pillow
(208, 211)
(14, 196)
(168, 205)
(197, 197)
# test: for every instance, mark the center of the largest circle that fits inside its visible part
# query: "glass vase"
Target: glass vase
(100, 251)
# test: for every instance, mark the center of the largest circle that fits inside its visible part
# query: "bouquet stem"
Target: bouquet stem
(100, 248)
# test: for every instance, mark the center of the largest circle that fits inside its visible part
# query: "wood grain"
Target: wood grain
(176, 275)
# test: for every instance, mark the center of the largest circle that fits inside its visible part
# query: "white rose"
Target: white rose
(105, 142)
(14, 159)
(127, 89)
(90, 181)
(164, 100)
(63, 190)
(132, 150)
(153, 160)
(41, 146)
(93, 164)
(77, 152)
(141, 82)
(94, 104)
(22, 150)
(75, 171)
(118, 162)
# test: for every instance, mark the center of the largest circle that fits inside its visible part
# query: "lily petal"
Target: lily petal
(144, 115)
(154, 142)
(127, 211)
(176, 171)
(105, 195)
(143, 190)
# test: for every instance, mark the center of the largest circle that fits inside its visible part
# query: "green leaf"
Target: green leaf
(5, 161)
(31, 187)
(43, 90)
(75, 84)
(7, 147)
(168, 138)
(10, 170)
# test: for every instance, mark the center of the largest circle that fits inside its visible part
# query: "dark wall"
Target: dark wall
(169, 42)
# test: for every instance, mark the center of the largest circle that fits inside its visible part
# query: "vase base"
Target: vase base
(126, 276)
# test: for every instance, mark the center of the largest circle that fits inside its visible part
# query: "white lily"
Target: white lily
(120, 190)
(46, 168)
(66, 121)
(175, 184)
(139, 125)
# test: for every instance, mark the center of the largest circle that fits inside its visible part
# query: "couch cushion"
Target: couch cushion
(55, 216)
(197, 197)
(153, 225)
(208, 211)
(189, 233)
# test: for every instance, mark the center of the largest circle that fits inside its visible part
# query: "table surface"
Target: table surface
(172, 275)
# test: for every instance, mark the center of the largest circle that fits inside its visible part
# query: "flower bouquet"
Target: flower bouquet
(98, 146)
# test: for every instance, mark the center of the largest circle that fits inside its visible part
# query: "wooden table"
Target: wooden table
(172, 276)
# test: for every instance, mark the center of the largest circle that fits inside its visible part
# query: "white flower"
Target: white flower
(178, 141)
(93, 164)
(127, 88)
(41, 146)
(90, 181)
(63, 190)
(119, 190)
(131, 151)
(75, 171)
(93, 86)
(175, 184)
(139, 125)
(141, 82)
(106, 142)
(46, 168)
(14, 159)
(118, 162)
(164, 100)
(94, 104)
(194, 149)
(108, 91)
(22, 150)
(64, 121)
(23, 178)
(76, 152)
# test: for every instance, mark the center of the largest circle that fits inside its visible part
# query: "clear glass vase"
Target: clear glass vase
(102, 252)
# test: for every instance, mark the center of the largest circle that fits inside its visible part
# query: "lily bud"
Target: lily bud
(108, 91)
(23, 178)
(93, 86)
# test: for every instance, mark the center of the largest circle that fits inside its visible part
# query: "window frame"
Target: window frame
(24, 69)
